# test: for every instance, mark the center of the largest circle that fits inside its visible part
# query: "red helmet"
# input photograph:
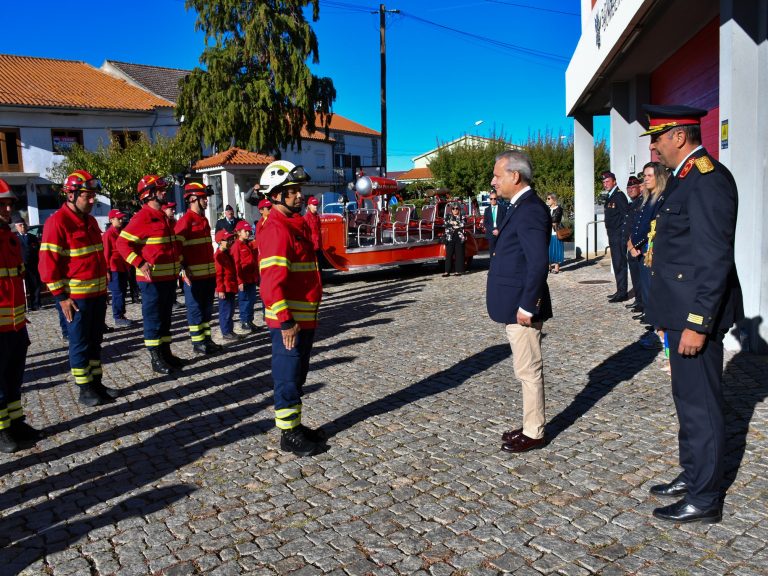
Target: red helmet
(197, 189)
(5, 191)
(81, 181)
(149, 185)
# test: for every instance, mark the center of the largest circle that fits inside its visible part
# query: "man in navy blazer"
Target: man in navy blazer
(492, 218)
(517, 294)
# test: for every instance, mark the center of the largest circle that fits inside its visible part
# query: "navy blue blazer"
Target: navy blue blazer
(517, 277)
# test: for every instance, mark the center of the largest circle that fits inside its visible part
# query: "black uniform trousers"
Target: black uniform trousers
(618, 247)
(454, 250)
(13, 359)
(634, 273)
(697, 391)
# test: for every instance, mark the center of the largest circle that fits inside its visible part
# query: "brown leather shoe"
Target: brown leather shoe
(510, 435)
(522, 444)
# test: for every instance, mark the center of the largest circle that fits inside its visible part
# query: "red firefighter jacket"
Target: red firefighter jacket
(149, 237)
(115, 262)
(12, 298)
(226, 276)
(246, 262)
(314, 227)
(194, 233)
(72, 260)
(290, 280)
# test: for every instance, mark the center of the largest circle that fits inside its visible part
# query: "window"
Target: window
(10, 150)
(63, 140)
(123, 137)
(375, 151)
(320, 160)
(338, 145)
(346, 161)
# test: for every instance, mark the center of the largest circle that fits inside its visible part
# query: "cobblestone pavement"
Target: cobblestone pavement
(414, 384)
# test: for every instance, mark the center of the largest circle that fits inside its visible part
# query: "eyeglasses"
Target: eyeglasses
(492, 199)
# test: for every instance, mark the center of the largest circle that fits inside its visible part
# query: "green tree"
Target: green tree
(467, 169)
(256, 90)
(120, 169)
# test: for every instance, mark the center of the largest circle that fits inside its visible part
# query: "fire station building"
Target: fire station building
(710, 54)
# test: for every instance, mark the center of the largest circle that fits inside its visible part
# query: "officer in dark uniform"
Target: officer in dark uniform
(630, 223)
(695, 298)
(30, 252)
(615, 212)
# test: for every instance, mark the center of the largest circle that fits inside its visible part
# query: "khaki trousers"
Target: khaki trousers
(529, 369)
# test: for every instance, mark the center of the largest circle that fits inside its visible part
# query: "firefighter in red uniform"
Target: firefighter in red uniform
(291, 291)
(199, 269)
(14, 340)
(117, 268)
(149, 244)
(72, 264)
(313, 220)
(245, 255)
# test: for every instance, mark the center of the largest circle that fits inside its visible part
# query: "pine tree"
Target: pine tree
(256, 90)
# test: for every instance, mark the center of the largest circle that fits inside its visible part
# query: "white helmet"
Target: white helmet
(282, 174)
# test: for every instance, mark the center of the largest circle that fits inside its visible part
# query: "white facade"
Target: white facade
(37, 150)
(623, 45)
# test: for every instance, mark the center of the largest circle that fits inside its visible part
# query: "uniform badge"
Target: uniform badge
(704, 164)
(687, 168)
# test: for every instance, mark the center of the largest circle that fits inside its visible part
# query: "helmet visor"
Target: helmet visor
(92, 185)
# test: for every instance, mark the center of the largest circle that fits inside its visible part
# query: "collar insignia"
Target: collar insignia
(687, 168)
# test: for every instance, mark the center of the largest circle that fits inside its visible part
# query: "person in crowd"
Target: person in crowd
(655, 177)
(247, 266)
(117, 268)
(313, 219)
(170, 212)
(264, 207)
(72, 264)
(291, 290)
(492, 218)
(15, 432)
(616, 207)
(556, 246)
(636, 197)
(199, 270)
(454, 239)
(149, 244)
(694, 297)
(229, 221)
(517, 294)
(226, 285)
(30, 252)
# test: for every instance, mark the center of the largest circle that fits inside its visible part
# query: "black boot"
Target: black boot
(173, 361)
(296, 441)
(211, 346)
(7, 443)
(23, 433)
(200, 348)
(104, 390)
(158, 363)
(91, 396)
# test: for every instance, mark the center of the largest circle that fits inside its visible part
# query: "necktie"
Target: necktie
(493, 213)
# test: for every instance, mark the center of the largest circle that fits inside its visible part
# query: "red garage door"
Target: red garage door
(691, 76)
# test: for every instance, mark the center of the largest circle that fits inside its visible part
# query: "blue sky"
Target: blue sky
(450, 63)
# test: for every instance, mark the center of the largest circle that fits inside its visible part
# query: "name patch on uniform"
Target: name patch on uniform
(695, 319)
(704, 165)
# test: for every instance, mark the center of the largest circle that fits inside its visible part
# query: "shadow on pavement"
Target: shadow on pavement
(444, 380)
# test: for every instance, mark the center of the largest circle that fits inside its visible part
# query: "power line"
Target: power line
(533, 7)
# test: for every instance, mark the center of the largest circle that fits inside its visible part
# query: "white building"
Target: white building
(47, 105)
(711, 54)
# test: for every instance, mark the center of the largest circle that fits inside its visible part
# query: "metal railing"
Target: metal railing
(594, 223)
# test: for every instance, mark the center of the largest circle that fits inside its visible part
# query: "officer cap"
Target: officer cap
(607, 174)
(633, 181)
(17, 219)
(663, 118)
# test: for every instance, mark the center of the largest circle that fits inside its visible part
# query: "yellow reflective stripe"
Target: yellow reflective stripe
(165, 339)
(80, 371)
(207, 267)
(15, 405)
(84, 250)
(284, 413)
(273, 261)
(279, 306)
(306, 316)
(151, 343)
(302, 266)
(131, 257)
(171, 268)
(15, 414)
(58, 285)
(198, 337)
(94, 362)
(302, 305)
(48, 247)
(195, 327)
(155, 240)
(204, 240)
(128, 236)
(11, 272)
(87, 286)
(7, 310)
(288, 418)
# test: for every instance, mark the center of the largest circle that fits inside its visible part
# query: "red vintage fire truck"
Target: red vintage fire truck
(372, 236)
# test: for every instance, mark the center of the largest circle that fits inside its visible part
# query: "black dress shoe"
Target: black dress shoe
(510, 435)
(613, 295)
(522, 444)
(632, 304)
(675, 488)
(640, 316)
(619, 298)
(683, 512)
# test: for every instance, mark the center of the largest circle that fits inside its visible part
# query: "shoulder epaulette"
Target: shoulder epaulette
(704, 164)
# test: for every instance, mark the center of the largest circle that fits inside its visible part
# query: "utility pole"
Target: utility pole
(383, 49)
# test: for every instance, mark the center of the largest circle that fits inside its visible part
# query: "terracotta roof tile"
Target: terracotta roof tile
(159, 80)
(234, 157)
(416, 174)
(50, 83)
(340, 124)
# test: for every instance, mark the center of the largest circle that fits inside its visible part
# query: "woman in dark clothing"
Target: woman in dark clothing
(556, 248)
(454, 240)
